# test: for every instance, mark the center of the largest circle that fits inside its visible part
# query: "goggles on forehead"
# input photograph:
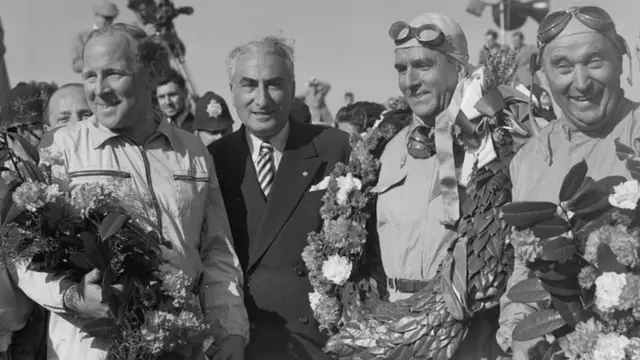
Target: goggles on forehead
(593, 17)
(428, 34)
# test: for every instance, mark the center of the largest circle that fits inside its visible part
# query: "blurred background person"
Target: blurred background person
(491, 45)
(23, 112)
(67, 106)
(523, 58)
(173, 98)
(348, 98)
(104, 13)
(315, 98)
(545, 105)
(213, 119)
(359, 117)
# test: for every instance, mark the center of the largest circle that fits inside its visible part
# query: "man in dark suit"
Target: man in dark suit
(267, 171)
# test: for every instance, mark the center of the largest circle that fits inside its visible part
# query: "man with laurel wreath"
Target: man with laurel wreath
(412, 205)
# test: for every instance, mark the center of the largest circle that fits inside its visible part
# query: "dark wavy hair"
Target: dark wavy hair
(362, 115)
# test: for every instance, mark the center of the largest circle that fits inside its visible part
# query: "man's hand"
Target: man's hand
(231, 348)
(90, 305)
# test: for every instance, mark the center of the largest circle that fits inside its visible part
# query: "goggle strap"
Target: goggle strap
(626, 46)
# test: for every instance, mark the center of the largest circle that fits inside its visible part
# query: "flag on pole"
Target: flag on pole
(476, 7)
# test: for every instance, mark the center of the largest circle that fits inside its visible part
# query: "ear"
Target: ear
(462, 71)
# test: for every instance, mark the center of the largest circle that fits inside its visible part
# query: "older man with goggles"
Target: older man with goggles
(417, 192)
(581, 55)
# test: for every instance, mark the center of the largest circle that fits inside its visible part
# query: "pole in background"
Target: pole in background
(503, 33)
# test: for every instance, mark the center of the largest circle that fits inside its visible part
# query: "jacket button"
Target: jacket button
(289, 346)
(303, 320)
(252, 326)
(299, 271)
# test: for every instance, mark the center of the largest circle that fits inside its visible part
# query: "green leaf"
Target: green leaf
(4, 153)
(623, 151)
(451, 299)
(590, 201)
(96, 258)
(607, 260)
(80, 260)
(538, 324)
(555, 226)
(9, 211)
(573, 180)
(100, 328)
(111, 225)
(526, 214)
(569, 287)
(528, 291)
(570, 308)
(560, 271)
(22, 148)
(558, 249)
(30, 171)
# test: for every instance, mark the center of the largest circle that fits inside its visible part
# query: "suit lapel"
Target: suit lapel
(297, 169)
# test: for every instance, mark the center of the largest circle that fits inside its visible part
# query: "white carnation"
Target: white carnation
(611, 347)
(346, 184)
(609, 287)
(337, 269)
(314, 300)
(626, 195)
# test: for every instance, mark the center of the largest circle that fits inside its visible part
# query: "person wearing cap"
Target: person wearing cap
(104, 13)
(582, 57)
(23, 112)
(431, 58)
(213, 119)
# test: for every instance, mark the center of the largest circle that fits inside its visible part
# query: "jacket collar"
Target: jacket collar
(99, 134)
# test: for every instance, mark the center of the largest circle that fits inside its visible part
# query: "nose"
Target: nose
(101, 87)
(411, 80)
(581, 78)
(262, 96)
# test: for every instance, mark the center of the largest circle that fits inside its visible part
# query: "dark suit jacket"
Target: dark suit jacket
(270, 235)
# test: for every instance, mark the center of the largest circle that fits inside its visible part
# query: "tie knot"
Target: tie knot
(265, 147)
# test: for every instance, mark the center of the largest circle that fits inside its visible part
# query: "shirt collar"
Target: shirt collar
(278, 141)
(100, 134)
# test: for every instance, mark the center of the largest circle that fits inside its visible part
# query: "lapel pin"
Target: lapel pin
(304, 173)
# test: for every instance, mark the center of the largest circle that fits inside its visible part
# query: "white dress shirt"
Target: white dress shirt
(278, 142)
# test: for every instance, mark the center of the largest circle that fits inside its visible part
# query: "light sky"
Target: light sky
(344, 42)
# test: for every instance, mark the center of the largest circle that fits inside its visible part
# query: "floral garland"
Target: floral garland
(333, 254)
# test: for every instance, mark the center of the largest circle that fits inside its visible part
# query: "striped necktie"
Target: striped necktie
(266, 171)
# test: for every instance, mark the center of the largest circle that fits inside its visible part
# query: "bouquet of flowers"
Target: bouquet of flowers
(50, 226)
(584, 257)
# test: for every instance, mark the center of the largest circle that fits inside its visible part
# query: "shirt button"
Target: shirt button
(303, 320)
(299, 271)
(252, 326)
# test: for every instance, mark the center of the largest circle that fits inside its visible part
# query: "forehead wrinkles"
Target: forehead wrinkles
(576, 47)
(258, 65)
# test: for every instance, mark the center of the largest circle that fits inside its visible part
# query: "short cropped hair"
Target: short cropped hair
(493, 33)
(146, 52)
(267, 45)
(519, 34)
(172, 76)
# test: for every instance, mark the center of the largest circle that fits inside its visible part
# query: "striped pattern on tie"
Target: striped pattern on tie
(265, 167)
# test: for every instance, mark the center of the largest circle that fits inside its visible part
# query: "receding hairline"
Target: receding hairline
(255, 54)
(272, 45)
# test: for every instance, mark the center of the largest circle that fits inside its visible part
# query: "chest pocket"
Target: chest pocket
(97, 176)
(191, 188)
